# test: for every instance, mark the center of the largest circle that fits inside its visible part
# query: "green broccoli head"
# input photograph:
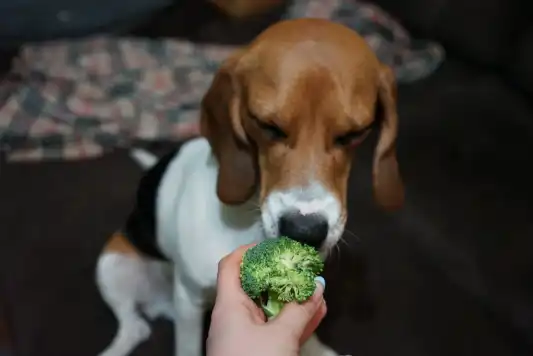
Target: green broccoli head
(279, 271)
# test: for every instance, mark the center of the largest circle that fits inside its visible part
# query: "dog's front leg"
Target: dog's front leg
(188, 327)
(314, 347)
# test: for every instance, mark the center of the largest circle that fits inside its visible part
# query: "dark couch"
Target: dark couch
(450, 274)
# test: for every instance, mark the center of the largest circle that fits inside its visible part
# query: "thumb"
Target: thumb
(295, 317)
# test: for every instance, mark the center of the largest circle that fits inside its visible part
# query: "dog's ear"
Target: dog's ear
(388, 184)
(221, 124)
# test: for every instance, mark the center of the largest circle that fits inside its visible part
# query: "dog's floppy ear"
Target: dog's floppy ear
(221, 124)
(388, 184)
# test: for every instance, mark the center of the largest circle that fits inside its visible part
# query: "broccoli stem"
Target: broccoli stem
(273, 306)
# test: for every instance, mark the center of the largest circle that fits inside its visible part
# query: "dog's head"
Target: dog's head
(284, 116)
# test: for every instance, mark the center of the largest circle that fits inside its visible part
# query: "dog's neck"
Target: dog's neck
(242, 216)
(237, 216)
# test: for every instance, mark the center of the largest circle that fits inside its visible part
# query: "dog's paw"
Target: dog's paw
(129, 336)
(325, 351)
(110, 352)
(314, 347)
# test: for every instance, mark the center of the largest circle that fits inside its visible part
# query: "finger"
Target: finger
(228, 278)
(294, 317)
(313, 324)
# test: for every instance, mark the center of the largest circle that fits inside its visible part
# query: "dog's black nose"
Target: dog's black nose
(309, 229)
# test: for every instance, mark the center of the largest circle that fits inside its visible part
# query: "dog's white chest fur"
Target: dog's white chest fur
(195, 230)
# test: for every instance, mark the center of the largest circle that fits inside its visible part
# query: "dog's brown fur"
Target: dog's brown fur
(294, 104)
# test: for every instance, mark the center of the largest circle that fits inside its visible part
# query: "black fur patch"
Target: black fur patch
(140, 228)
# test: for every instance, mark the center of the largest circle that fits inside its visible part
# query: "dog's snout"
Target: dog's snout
(311, 229)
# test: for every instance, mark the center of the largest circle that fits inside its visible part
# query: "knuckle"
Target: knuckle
(223, 262)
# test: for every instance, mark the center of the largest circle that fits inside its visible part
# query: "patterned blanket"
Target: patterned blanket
(79, 99)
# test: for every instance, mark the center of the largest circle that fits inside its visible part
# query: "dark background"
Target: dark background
(450, 274)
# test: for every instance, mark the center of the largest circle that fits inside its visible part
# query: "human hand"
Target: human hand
(239, 327)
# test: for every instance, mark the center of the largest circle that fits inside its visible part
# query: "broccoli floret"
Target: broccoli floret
(279, 271)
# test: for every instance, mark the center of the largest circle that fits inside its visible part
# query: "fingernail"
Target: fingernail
(321, 280)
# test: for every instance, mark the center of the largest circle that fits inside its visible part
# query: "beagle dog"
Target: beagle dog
(279, 127)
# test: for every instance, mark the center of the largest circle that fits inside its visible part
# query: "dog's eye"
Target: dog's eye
(351, 138)
(272, 130)
(275, 132)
